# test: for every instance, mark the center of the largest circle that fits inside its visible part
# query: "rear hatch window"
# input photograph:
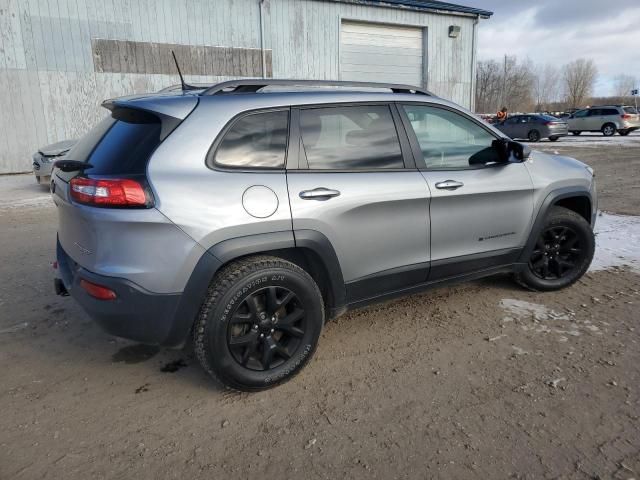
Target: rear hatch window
(630, 110)
(121, 144)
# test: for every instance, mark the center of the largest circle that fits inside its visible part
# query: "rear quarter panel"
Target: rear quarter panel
(207, 204)
(140, 245)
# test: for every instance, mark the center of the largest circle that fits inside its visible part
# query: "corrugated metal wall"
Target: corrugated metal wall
(305, 38)
(51, 84)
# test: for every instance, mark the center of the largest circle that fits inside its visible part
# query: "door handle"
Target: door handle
(320, 193)
(449, 185)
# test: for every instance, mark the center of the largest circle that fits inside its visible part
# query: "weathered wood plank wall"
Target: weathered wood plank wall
(51, 85)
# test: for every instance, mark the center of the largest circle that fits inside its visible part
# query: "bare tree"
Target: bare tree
(504, 84)
(546, 86)
(488, 86)
(623, 84)
(579, 79)
(518, 84)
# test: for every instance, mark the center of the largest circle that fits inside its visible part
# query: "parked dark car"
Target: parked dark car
(534, 127)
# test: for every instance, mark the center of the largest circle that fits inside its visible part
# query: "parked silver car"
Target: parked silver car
(534, 127)
(607, 119)
(43, 159)
(246, 215)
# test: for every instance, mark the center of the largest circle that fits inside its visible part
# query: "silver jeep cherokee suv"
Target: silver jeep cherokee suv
(248, 214)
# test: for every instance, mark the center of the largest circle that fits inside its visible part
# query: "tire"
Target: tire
(534, 136)
(576, 243)
(608, 129)
(624, 133)
(575, 132)
(245, 310)
(554, 139)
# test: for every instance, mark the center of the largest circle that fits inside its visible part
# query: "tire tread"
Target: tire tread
(222, 282)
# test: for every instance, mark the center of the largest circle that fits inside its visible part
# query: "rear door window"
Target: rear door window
(350, 138)
(257, 140)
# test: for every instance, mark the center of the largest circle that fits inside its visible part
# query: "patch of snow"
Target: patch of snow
(526, 310)
(540, 319)
(617, 242)
(591, 140)
(15, 328)
(519, 351)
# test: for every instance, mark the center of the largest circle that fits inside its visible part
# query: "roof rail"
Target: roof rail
(254, 85)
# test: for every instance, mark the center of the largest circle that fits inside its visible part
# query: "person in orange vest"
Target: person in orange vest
(501, 116)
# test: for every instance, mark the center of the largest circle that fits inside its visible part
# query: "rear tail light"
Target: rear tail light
(626, 116)
(117, 192)
(98, 291)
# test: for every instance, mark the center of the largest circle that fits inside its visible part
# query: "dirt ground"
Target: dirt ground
(483, 380)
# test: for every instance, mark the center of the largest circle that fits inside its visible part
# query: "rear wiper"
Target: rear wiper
(71, 165)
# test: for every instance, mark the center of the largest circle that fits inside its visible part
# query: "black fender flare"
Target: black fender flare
(547, 203)
(228, 250)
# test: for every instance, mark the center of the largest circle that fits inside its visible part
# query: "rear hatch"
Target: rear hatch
(105, 196)
(631, 116)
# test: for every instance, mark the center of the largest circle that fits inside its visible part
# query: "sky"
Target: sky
(559, 31)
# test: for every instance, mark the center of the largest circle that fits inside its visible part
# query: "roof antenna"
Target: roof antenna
(185, 86)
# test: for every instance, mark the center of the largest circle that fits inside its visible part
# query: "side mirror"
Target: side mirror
(510, 151)
(520, 151)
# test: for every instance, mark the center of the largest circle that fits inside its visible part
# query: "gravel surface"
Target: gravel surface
(483, 380)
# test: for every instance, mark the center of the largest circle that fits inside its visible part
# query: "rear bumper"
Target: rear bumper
(557, 132)
(136, 313)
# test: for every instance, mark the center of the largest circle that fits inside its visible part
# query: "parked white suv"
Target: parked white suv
(606, 119)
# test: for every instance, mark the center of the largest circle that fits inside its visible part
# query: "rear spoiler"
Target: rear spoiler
(171, 110)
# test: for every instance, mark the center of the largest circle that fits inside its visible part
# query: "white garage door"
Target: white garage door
(381, 53)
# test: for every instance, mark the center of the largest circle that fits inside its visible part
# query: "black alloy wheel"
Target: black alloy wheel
(259, 323)
(561, 253)
(266, 328)
(557, 254)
